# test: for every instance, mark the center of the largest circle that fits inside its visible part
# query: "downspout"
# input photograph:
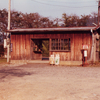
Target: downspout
(92, 49)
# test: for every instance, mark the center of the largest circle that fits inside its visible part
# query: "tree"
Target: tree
(34, 20)
(16, 20)
(74, 20)
(93, 19)
(70, 20)
(3, 20)
(83, 20)
(56, 22)
(46, 22)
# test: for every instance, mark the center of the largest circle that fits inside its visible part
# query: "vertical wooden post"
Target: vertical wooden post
(98, 12)
(94, 48)
(49, 46)
(8, 38)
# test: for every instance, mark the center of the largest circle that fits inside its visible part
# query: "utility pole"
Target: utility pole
(8, 34)
(98, 12)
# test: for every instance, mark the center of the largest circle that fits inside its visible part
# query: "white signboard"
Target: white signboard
(5, 43)
(85, 53)
(57, 58)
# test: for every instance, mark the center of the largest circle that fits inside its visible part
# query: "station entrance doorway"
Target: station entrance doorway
(39, 49)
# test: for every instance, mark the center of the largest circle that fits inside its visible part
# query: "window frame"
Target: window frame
(59, 44)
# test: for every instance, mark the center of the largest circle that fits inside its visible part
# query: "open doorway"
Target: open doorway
(40, 49)
(45, 49)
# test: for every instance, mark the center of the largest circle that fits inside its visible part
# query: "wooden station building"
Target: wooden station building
(26, 44)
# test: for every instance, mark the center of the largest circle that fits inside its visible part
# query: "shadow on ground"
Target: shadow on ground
(13, 72)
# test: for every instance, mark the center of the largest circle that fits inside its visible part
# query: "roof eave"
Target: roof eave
(52, 29)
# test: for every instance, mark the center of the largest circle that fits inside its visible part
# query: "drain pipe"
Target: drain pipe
(92, 49)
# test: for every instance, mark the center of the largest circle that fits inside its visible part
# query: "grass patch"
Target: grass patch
(3, 60)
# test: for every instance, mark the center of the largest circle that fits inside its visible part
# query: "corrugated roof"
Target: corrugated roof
(53, 29)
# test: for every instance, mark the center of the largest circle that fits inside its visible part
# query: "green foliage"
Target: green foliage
(45, 48)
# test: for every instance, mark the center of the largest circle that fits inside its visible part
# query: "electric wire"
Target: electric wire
(66, 1)
(62, 5)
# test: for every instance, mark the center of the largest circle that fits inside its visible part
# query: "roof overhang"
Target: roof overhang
(52, 29)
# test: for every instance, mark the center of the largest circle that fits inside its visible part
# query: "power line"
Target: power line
(66, 1)
(62, 5)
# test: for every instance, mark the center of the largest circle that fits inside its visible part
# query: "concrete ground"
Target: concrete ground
(45, 82)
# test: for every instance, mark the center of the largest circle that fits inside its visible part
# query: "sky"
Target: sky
(52, 8)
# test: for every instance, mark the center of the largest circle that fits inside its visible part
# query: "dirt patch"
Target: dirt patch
(7, 72)
(45, 82)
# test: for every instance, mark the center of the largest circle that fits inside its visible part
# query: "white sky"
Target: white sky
(52, 8)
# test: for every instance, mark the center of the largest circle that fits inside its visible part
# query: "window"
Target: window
(36, 45)
(60, 44)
